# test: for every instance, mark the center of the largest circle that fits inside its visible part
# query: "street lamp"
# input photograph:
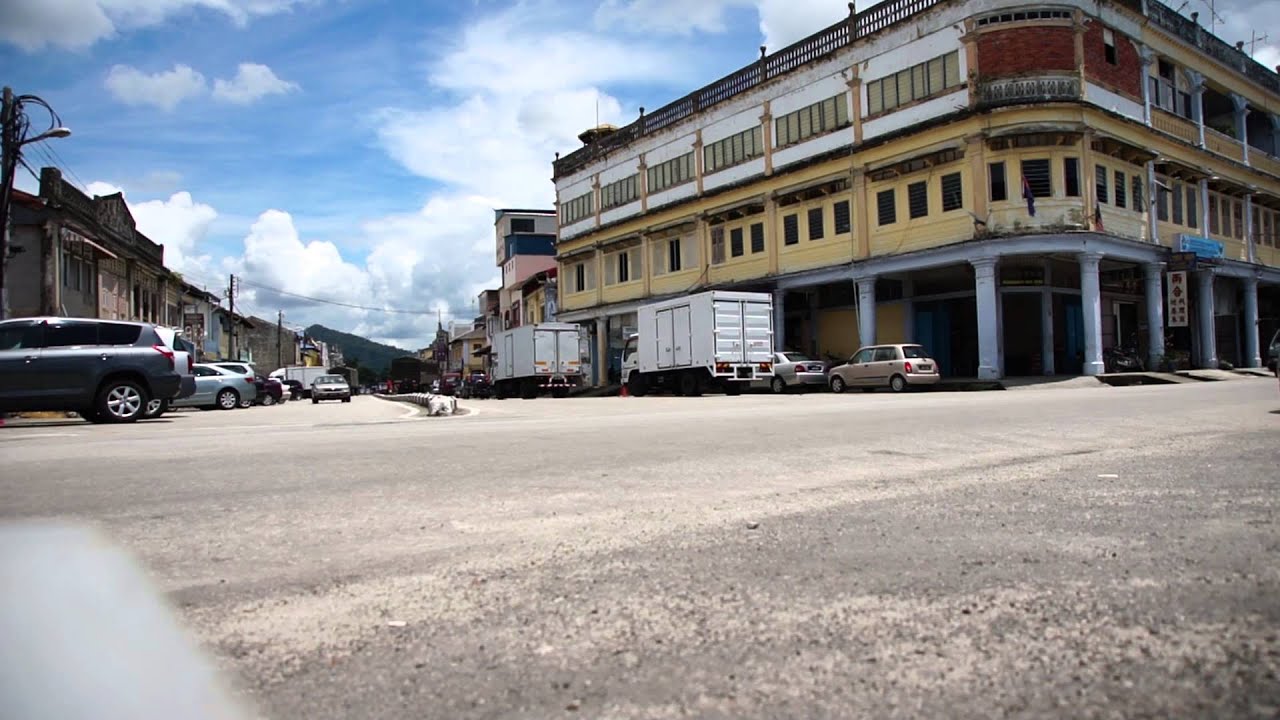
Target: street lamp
(14, 124)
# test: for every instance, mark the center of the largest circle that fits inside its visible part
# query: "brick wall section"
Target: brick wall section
(1027, 51)
(1125, 75)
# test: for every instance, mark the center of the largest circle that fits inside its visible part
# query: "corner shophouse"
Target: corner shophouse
(878, 178)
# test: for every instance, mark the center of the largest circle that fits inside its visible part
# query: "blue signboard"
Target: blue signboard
(1201, 247)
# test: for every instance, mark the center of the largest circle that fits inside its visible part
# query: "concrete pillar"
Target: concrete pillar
(1252, 358)
(600, 364)
(1204, 206)
(866, 310)
(1153, 282)
(1250, 242)
(1241, 105)
(1146, 56)
(1197, 102)
(1153, 226)
(1047, 363)
(779, 320)
(1091, 305)
(1204, 320)
(984, 276)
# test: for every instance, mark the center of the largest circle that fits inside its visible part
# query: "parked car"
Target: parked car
(218, 388)
(794, 371)
(270, 390)
(330, 387)
(896, 367)
(184, 359)
(295, 388)
(1273, 353)
(108, 371)
(242, 368)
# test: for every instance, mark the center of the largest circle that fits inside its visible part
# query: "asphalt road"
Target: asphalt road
(1102, 552)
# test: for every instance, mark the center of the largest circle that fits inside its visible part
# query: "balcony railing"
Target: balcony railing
(816, 46)
(1223, 145)
(1006, 91)
(1174, 125)
(1264, 162)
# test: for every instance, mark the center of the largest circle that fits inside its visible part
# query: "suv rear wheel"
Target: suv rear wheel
(121, 401)
(228, 399)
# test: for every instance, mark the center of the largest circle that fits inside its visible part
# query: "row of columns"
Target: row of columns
(987, 296)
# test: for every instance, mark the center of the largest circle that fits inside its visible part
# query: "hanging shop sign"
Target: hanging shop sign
(1177, 299)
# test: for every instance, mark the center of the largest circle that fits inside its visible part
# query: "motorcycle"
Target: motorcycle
(1120, 360)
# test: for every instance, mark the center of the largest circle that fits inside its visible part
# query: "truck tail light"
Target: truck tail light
(765, 367)
(722, 367)
(907, 368)
(166, 352)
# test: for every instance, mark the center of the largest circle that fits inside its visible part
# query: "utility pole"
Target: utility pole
(231, 301)
(9, 139)
(1254, 39)
(280, 339)
(13, 126)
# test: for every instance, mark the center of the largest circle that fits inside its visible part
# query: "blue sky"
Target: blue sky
(354, 149)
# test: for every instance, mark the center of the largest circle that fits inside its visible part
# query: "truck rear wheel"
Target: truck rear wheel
(732, 388)
(690, 383)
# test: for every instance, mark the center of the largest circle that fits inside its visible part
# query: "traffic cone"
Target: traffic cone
(624, 391)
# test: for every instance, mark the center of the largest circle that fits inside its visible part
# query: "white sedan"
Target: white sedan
(795, 371)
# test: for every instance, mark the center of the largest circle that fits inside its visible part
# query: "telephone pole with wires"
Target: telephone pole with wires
(280, 339)
(14, 125)
(231, 302)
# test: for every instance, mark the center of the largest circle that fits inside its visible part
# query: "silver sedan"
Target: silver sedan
(219, 388)
(795, 371)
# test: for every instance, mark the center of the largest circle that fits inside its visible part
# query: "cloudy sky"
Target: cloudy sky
(354, 150)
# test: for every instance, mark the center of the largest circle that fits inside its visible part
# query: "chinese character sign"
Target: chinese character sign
(1177, 299)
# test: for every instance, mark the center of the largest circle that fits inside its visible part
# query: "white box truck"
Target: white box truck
(716, 340)
(304, 375)
(535, 359)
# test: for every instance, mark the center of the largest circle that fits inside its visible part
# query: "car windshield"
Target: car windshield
(914, 351)
(795, 357)
(330, 379)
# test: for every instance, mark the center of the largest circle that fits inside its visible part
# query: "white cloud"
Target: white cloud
(782, 22)
(252, 82)
(164, 90)
(77, 24)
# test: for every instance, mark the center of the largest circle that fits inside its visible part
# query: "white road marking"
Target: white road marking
(40, 435)
(1109, 475)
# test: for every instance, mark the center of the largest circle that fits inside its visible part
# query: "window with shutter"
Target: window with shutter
(937, 77)
(791, 229)
(1037, 174)
(658, 258)
(952, 195)
(998, 189)
(919, 87)
(1177, 203)
(1213, 215)
(1193, 214)
(624, 266)
(1100, 184)
(918, 199)
(875, 98)
(736, 247)
(840, 214)
(1120, 193)
(1071, 176)
(717, 245)
(1136, 193)
(688, 253)
(904, 87)
(757, 238)
(675, 258)
(610, 270)
(886, 207)
(952, 61)
(816, 231)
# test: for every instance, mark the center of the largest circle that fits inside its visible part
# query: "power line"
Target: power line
(65, 165)
(352, 305)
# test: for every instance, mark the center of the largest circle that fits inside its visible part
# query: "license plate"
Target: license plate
(926, 368)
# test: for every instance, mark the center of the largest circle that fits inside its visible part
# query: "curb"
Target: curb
(424, 400)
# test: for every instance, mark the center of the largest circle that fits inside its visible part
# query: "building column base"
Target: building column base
(989, 373)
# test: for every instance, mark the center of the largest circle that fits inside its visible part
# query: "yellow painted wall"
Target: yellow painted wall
(891, 326)
(838, 332)
(908, 235)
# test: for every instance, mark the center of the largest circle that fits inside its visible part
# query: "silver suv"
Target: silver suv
(103, 369)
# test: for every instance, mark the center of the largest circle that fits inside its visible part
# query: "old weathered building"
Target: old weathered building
(1015, 186)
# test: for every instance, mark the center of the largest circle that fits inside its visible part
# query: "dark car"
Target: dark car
(295, 388)
(103, 369)
(270, 390)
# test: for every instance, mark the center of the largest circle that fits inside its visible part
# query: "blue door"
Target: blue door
(933, 331)
(1073, 316)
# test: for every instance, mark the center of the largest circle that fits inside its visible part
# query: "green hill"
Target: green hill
(367, 353)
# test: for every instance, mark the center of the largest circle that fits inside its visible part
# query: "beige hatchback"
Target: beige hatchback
(894, 366)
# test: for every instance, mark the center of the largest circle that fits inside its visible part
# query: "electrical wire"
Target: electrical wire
(60, 162)
(338, 303)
